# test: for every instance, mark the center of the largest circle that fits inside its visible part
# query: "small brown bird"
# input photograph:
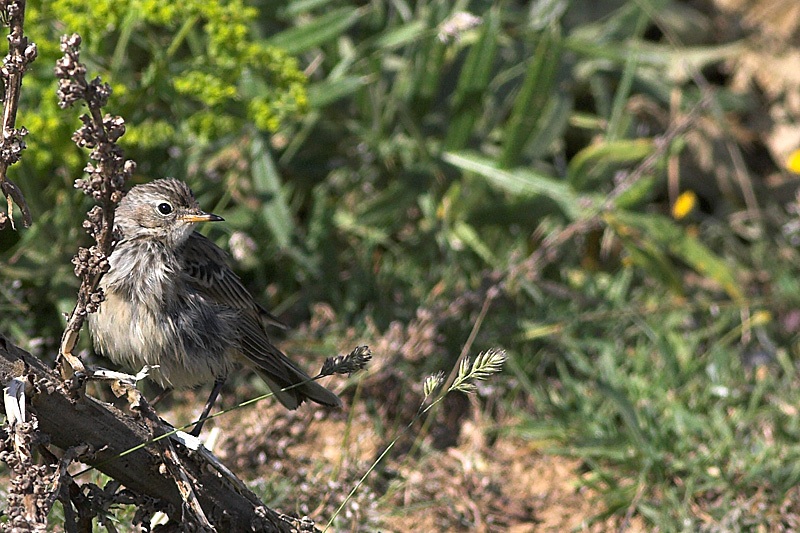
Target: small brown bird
(172, 300)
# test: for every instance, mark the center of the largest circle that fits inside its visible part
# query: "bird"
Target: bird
(172, 302)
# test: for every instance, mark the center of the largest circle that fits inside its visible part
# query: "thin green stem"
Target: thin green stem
(377, 461)
(453, 373)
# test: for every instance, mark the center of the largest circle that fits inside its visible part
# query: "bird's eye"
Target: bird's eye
(164, 208)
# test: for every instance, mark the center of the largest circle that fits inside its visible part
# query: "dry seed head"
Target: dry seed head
(347, 364)
(432, 383)
(487, 363)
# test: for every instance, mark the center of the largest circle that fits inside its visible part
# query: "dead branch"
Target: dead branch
(85, 422)
(21, 53)
(104, 182)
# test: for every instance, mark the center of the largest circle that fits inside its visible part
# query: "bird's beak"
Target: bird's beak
(201, 217)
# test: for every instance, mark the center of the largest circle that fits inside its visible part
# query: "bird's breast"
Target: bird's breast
(152, 316)
(145, 272)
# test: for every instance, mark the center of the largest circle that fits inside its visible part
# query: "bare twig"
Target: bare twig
(21, 53)
(61, 479)
(105, 179)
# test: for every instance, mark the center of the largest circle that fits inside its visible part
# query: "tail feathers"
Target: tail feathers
(294, 396)
(317, 393)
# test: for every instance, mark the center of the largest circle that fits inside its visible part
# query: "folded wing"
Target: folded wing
(207, 271)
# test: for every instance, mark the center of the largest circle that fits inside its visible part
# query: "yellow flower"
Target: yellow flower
(793, 162)
(684, 204)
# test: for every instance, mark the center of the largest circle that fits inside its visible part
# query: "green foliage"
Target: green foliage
(197, 65)
(667, 416)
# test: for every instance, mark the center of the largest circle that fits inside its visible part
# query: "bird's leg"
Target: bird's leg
(218, 383)
(163, 394)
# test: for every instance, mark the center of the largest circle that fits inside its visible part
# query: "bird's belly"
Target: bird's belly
(189, 347)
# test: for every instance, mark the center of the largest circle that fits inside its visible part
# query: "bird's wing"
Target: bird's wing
(206, 268)
(291, 385)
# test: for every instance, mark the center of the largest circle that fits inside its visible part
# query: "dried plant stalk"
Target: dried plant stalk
(21, 53)
(105, 179)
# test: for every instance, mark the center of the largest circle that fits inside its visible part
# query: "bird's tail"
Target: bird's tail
(291, 395)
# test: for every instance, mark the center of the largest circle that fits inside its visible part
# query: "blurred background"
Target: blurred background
(612, 182)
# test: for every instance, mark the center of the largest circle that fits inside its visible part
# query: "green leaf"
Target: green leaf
(532, 98)
(467, 235)
(329, 91)
(531, 330)
(402, 35)
(627, 412)
(267, 182)
(347, 222)
(674, 64)
(704, 261)
(650, 257)
(319, 31)
(638, 193)
(300, 7)
(472, 83)
(519, 181)
(590, 162)
(551, 126)
(430, 56)
(545, 12)
(619, 119)
(658, 232)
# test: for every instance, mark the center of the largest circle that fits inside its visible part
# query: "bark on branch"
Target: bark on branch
(69, 422)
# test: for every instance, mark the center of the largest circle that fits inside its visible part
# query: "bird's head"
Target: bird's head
(164, 210)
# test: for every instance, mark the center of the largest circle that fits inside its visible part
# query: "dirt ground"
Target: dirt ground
(308, 461)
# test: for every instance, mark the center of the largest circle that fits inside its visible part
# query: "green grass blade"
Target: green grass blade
(662, 233)
(472, 83)
(616, 124)
(319, 31)
(533, 96)
(467, 235)
(300, 7)
(593, 160)
(519, 182)
(331, 90)
(627, 412)
(652, 259)
(430, 57)
(267, 182)
(552, 125)
(401, 36)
